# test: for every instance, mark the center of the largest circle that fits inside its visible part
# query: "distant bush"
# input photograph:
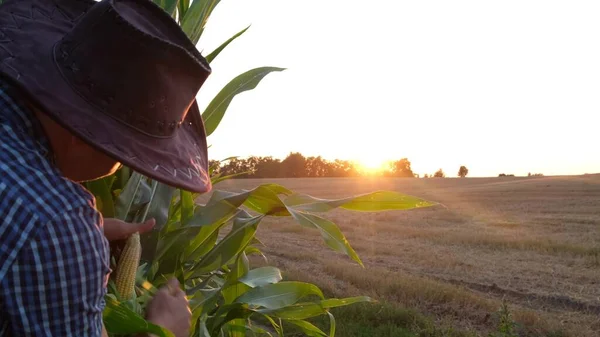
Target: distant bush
(505, 175)
(534, 174)
(439, 174)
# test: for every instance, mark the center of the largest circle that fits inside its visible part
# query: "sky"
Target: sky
(500, 87)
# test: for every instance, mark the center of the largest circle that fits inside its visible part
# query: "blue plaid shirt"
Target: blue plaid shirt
(54, 258)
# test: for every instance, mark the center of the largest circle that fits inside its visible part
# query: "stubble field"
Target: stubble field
(533, 243)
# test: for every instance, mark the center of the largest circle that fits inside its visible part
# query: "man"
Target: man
(87, 86)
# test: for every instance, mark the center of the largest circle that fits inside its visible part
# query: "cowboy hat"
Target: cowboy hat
(119, 74)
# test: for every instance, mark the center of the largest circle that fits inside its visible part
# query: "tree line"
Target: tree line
(296, 165)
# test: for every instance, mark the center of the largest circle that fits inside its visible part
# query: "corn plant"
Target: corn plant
(206, 245)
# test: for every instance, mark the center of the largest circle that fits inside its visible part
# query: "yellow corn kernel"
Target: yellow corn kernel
(127, 267)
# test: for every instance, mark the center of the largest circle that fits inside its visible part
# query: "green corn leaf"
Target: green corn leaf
(126, 199)
(235, 289)
(371, 202)
(330, 232)
(101, 189)
(202, 331)
(279, 295)
(169, 6)
(312, 309)
(231, 245)
(331, 324)
(160, 204)
(262, 276)
(182, 7)
(219, 49)
(297, 311)
(277, 327)
(258, 331)
(214, 112)
(253, 250)
(308, 328)
(340, 302)
(119, 319)
(263, 199)
(187, 206)
(196, 17)
(227, 313)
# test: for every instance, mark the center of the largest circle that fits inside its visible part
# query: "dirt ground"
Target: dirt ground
(532, 242)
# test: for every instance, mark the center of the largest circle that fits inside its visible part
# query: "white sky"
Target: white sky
(503, 86)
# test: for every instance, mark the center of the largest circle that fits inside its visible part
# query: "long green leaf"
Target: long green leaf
(331, 233)
(236, 289)
(261, 276)
(196, 17)
(279, 295)
(229, 247)
(308, 328)
(236, 327)
(263, 199)
(169, 6)
(187, 206)
(311, 309)
(219, 49)
(119, 319)
(201, 330)
(371, 202)
(331, 324)
(127, 197)
(215, 110)
(183, 6)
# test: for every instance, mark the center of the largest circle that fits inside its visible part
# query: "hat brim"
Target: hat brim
(180, 161)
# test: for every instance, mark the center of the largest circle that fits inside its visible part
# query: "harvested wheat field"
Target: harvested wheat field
(446, 270)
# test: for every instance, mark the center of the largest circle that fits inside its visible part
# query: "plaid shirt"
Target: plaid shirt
(54, 258)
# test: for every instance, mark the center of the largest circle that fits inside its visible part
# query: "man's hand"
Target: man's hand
(169, 308)
(115, 229)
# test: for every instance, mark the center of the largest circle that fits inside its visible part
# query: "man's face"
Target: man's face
(81, 162)
(75, 159)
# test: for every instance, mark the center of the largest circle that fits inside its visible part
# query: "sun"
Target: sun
(371, 164)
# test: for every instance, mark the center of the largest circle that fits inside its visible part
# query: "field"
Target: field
(531, 242)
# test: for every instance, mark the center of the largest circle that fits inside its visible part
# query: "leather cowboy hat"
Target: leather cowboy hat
(119, 74)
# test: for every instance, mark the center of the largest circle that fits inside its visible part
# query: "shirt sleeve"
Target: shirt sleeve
(57, 283)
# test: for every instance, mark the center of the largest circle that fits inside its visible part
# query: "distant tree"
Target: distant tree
(341, 168)
(426, 175)
(215, 165)
(294, 165)
(463, 171)
(316, 167)
(439, 174)
(505, 175)
(401, 168)
(267, 167)
(529, 174)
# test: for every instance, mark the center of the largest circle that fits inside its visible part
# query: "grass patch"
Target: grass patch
(381, 320)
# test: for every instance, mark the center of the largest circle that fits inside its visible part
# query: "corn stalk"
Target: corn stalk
(227, 296)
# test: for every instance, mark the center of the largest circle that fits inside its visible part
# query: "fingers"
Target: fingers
(115, 229)
(146, 226)
(173, 287)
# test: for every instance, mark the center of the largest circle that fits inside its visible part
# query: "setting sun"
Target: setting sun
(371, 164)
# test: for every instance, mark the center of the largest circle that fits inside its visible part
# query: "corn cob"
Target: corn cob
(127, 267)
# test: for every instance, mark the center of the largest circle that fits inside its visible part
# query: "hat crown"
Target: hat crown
(133, 62)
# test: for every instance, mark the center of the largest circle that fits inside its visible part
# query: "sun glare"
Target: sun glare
(371, 165)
